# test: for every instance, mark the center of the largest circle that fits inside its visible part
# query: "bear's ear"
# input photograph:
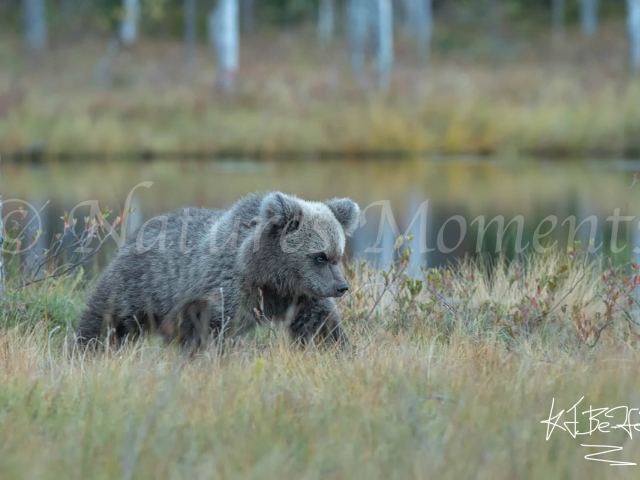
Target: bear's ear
(280, 211)
(347, 212)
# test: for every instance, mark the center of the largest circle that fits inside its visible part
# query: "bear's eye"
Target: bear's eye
(321, 258)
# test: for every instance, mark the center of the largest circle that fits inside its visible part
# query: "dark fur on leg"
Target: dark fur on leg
(318, 322)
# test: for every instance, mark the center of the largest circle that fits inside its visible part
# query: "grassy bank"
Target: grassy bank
(449, 378)
(528, 94)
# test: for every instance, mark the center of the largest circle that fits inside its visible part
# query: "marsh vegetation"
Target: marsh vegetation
(462, 362)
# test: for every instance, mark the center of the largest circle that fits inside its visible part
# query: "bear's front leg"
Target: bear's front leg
(319, 322)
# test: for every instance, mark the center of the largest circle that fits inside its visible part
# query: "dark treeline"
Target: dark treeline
(166, 17)
(361, 22)
(369, 26)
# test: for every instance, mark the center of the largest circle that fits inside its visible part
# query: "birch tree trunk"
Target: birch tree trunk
(325, 22)
(633, 24)
(102, 71)
(408, 25)
(385, 43)
(190, 15)
(424, 26)
(358, 26)
(418, 23)
(224, 33)
(373, 24)
(589, 16)
(494, 18)
(35, 24)
(129, 22)
(558, 14)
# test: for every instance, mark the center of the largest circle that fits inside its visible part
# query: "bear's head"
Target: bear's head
(298, 245)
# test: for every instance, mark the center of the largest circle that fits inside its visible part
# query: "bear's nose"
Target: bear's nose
(342, 289)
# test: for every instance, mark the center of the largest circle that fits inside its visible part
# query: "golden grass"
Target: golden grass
(536, 95)
(424, 395)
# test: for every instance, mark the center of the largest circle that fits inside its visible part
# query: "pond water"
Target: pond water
(457, 191)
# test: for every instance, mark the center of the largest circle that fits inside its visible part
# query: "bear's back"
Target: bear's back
(172, 223)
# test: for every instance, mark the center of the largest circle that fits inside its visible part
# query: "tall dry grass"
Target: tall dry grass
(436, 386)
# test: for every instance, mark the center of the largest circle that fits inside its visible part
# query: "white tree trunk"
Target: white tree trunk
(385, 42)
(633, 24)
(408, 24)
(224, 33)
(358, 28)
(129, 22)
(325, 22)
(102, 71)
(35, 24)
(589, 16)
(418, 23)
(558, 14)
(190, 16)
(373, 24)
(424, 26)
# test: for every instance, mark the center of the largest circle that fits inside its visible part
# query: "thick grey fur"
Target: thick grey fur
(191, 273)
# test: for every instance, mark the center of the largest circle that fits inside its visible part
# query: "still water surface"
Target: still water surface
(457, 191)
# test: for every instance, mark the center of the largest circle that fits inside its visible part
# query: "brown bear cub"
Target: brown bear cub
(195, 272)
